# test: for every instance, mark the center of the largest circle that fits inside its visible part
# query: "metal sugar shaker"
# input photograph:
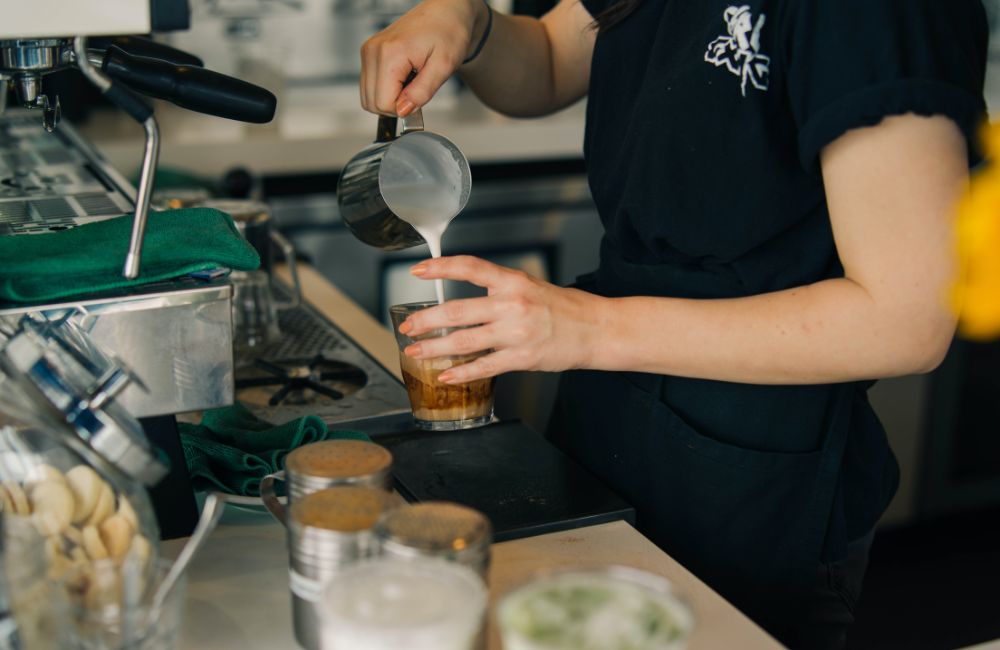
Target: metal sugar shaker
(325, 464)
(328, 530)
(437, 529)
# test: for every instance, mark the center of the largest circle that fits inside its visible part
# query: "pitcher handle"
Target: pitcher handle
(386, 131)
(270, 499)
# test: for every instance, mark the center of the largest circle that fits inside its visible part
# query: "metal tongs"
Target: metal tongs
(122, 67)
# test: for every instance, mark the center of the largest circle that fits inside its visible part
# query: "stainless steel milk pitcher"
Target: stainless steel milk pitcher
(374, 183)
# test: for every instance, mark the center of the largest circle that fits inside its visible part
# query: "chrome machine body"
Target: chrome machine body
(174, 339)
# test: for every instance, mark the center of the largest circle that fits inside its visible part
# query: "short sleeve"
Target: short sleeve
(851, 63)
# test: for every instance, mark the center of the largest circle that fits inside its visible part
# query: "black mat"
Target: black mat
(506, 471)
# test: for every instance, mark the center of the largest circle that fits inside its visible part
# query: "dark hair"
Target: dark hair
(614, 14)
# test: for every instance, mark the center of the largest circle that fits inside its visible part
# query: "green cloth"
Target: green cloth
(89, 258)
(231, 450)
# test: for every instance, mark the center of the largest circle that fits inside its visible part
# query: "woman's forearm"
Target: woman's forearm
(832, 331)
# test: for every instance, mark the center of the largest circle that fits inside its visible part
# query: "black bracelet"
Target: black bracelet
(486, 33)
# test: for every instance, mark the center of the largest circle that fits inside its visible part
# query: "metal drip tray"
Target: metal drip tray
(53, 181)
(316, 369)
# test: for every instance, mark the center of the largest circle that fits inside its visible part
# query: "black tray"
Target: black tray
(508, 472)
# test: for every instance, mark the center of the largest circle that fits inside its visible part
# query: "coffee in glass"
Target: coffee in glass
(438, 406)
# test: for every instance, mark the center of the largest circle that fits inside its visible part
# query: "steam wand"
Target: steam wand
(141, 112)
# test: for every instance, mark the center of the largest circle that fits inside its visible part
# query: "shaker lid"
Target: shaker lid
(345, 509)
(436, 527)
(58, 367)
(335, 459)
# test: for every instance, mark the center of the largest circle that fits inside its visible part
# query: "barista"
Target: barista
(776, 181)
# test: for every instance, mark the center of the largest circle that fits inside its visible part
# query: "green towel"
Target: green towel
(232, 450)
(89, 258)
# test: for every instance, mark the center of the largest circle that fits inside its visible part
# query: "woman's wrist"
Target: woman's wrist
(596, 341)
(482, 19)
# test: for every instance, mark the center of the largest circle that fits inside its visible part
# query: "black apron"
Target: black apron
(747, 520)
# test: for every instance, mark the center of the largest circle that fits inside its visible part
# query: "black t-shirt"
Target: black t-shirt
(706, 118)
(705, 122)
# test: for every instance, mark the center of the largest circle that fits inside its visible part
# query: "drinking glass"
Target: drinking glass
(438, 406)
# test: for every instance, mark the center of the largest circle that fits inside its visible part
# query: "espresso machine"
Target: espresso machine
(173, 339)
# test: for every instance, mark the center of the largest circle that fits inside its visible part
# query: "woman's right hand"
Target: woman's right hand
(433, 38)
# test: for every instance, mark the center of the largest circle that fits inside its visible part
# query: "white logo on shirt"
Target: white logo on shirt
(740, 51)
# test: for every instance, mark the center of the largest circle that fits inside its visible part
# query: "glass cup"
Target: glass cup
(601, 608)
(438, 406)
(255, 317)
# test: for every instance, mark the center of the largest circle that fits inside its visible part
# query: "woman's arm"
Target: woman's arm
(891, 190)
(528, 66)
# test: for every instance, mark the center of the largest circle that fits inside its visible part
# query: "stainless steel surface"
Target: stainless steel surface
(24, 61)
(150, 156)
(53, 181)
(77, 379)
(175, 337)
(147, 173)
(29, 86)
(32, 55)
(362, 189)
(370, 395)
(445, 531)
(319, 550)
(373, 470)
(86, 65)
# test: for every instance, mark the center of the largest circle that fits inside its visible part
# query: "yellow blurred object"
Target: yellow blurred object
(976, 296)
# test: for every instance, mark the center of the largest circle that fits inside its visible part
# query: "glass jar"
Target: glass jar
(73, 463)
(35, 609)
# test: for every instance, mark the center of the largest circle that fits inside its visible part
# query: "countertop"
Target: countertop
(237, 592)
(320, 129)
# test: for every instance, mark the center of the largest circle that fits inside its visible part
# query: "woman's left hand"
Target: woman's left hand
(527, 323)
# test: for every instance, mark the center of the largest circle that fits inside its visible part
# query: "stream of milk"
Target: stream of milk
(429, 217)
(425, 191)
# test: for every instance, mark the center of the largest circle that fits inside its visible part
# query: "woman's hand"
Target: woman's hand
(433, 38)
(527, 323)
